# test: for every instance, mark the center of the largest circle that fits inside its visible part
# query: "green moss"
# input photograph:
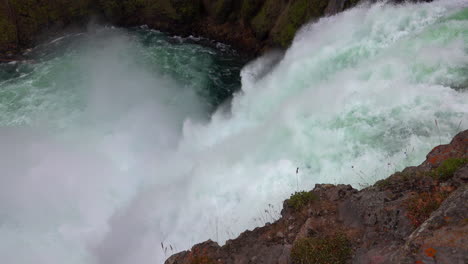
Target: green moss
(249, 8)
(112, 9)
(33, 17)
(7, 32)
(321, 250)
(30, 16)
(298, 13)
(300, 199)
(398, 177)
(446, 170)
(186, 10)
(222, 9)
(384, 183)
(266, 18)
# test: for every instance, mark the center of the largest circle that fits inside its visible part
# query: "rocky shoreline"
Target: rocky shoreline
(419, 215)
(250, 26)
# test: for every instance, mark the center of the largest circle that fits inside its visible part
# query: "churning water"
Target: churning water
(125, 146)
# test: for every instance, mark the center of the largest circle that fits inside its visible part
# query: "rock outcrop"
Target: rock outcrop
(419, 215)
(25, 22)
(249, 25)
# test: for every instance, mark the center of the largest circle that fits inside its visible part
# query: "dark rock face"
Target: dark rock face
(23, 22)
(249, 25)
(410, 217)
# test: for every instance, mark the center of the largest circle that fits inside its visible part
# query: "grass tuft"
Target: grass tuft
(321, 250)
(300, 199)
(420, 207)
(446, 170)
(384, 183)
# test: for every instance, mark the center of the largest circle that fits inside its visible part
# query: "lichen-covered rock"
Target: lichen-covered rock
(458, 148)
(411, 217)
(443, 238)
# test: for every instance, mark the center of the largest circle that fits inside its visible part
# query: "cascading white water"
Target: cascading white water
(105, 165)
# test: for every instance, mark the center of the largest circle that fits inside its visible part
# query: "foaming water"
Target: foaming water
(110, 154)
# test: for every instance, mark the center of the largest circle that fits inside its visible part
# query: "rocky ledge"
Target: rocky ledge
(250, 26)
(416, 216)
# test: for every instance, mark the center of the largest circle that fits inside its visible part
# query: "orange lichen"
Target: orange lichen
(430, 252)
(439, 154)
(421, 205)
(197, 256)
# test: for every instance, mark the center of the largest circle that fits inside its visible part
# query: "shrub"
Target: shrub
(400, 178)
(421, 206)
(384, 183)
(334, 249)
(446, 170)
(300, 199)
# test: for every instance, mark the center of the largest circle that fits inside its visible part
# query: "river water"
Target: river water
(128, 145)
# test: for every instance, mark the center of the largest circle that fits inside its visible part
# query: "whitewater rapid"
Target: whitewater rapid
(106, 160)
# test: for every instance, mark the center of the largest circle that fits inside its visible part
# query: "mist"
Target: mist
(106, 158)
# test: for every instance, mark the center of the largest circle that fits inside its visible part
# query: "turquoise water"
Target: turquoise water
(55, 80)
(117, 141)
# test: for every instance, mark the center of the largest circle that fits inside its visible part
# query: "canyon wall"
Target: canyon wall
(249, 25)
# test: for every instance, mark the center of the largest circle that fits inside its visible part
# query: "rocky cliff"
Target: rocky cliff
(419, 215)
(249, 25)
(25, 22)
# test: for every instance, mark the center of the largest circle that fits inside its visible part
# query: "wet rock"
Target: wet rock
(249, 25)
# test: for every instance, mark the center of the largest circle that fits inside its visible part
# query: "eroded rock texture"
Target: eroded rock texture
(419, 215)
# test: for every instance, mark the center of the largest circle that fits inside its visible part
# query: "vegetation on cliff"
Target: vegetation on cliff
(321, 250)
(25, 21)
(249, 25)
(414, 216)
(446, 170)
(299, 200)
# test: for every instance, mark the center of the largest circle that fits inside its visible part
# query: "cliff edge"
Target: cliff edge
(248, 25)
(419, 215)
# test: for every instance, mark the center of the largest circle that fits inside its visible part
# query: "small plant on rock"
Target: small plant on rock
(421, 206)
(300, 199)
(446, 170)
(384, 183)
(334, 249)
